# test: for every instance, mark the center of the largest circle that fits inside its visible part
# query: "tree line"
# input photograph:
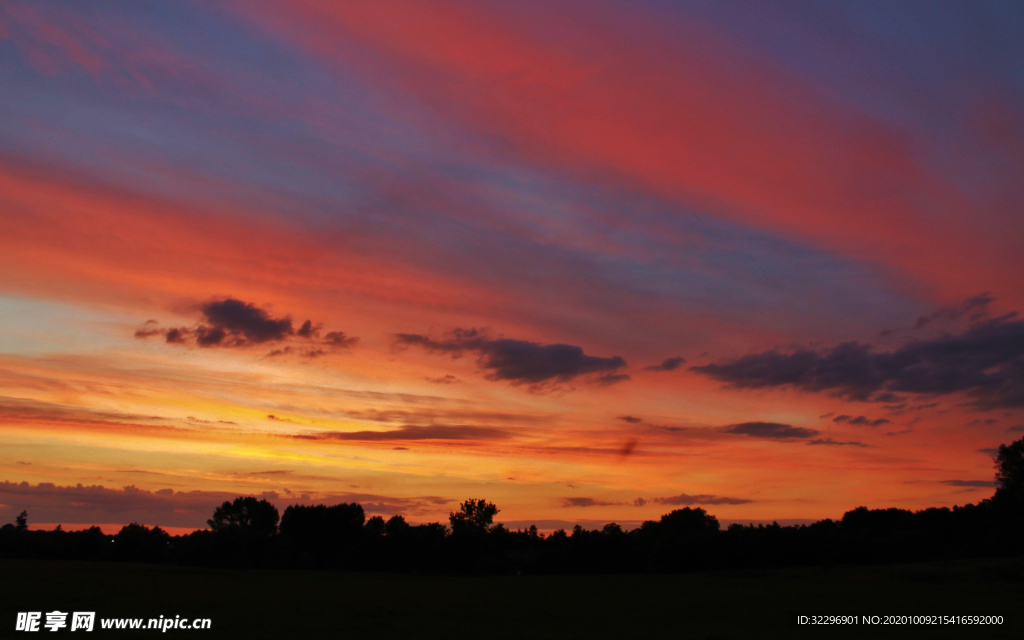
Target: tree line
(249, 532)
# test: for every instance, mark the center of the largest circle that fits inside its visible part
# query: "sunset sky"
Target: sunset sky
(591, 261)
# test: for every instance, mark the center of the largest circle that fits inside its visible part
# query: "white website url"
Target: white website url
(161, 623)
(85, 621)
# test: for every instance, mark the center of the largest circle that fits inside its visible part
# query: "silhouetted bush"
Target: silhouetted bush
(136, 542)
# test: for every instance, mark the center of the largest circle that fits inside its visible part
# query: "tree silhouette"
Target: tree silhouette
(396, 526)
(687, 520)
(140, 543)
(1010, 472)
(323, 527)
(375, 526)
(339, 537)
(248, 515)
(473, 517)
(864, 519)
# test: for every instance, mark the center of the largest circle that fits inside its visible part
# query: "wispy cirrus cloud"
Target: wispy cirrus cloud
(412, 432)
(426, 415)
(21, 411)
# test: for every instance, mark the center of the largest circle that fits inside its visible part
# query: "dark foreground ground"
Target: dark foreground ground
(303, 604)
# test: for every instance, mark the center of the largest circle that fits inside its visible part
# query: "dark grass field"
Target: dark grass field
(304, 604)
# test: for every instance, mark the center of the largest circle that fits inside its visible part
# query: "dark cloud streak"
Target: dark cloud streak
(685, 499)
(986, 362)
(586, 502)
(246, 322)
(976, 307)
(412, 432)
(836, 443)
(770, 430)
(862, 421)
(521, 361)
(234, 323)
(987, 484)
(669, 364)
